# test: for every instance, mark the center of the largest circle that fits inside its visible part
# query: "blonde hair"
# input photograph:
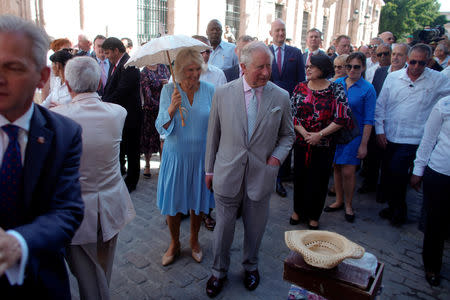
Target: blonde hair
(184, 58)
(342, 59)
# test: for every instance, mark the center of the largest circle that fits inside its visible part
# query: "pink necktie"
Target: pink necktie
(279, 59)
(309, 57)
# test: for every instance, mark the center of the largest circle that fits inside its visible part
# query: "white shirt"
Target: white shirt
(59, 95)
(434, 149)
(370, 71)
(446, 72)
(275, 51)
(15, 274)
(403, 106)
(213, 75)
(223, 56)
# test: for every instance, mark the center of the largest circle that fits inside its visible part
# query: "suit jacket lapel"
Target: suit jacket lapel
(39, 142)
(239, 96)
(264, 105)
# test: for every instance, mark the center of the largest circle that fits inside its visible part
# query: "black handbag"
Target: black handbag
(347, 133)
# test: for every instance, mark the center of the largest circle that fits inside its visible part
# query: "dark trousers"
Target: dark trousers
(284, 173)
(311, 180)
(129, 147)
(436, 201)
(372, 162)
(399, 159)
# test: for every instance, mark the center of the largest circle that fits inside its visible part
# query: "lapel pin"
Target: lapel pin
(41, 140)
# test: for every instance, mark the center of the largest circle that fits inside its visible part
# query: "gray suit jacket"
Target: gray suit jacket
(228, 153)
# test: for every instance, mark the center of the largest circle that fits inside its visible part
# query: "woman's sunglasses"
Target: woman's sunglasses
(356, 67)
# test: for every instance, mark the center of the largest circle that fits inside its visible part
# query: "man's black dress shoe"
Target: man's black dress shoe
(331, 209)
(350, 218)
(385, 213)
(433, 279)
(293, 221)
(214, 286)
(251, 280)
(281, 190)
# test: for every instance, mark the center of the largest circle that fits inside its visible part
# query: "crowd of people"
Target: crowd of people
(227, 123)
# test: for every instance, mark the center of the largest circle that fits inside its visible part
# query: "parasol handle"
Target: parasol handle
(175, 85)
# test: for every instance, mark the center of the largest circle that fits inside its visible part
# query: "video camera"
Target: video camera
(429, 35)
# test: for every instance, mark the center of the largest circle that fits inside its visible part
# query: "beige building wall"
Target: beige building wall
(357, 18)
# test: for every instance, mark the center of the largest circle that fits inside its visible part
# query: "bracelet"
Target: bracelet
(321, 134)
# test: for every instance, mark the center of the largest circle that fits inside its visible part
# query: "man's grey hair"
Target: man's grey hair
(245, 38)
(385, 45)
(39, 38)
(378, 39)
(423, 48)
(82, 74)
(314, 30)
(406, 46)
(249, 49)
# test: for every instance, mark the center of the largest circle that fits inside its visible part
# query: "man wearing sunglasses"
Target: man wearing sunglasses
(402, 108)
(372, 61)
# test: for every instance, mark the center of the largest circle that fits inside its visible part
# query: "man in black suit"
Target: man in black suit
(235, 71)
(40, 194)
(122, 88)
(313, 40)
(288, 69)
(343, 46)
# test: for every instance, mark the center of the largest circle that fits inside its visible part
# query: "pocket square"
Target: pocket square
(276, 108)
(291, 59)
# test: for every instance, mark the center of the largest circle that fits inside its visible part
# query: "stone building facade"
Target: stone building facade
(142, 20)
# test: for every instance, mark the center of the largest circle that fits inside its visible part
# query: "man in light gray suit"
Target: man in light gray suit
(250, 132)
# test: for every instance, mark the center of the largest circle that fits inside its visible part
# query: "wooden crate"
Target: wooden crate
(341, 282)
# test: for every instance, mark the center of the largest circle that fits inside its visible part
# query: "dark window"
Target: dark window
(324, 27)
(278, 11)
(232, 16)
(152, 19)
(304, 28)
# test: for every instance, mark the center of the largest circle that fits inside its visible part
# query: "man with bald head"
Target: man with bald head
(223, 55)
(387, 37)
(235, 71)
(288, 69)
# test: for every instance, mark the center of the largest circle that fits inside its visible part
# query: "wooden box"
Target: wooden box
(342, 282)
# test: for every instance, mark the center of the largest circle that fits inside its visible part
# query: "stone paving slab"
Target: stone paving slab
(138, 273)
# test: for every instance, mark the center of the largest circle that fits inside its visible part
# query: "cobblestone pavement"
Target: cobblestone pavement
(138, 273)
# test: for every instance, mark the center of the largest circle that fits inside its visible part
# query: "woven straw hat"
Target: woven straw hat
(322, 249)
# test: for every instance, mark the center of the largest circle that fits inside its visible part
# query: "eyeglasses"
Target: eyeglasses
(206, 51)
(309, 67)
(339, 67)
(373, 46)
(383, 53)
(330, 54)
(420, 62)
(356, 67)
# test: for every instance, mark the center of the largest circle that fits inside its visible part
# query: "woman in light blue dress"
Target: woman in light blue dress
(361, 98)
(181, 182)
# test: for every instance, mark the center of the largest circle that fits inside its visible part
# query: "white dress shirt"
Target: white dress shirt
(370, 71)
(59, 95)
(434, 149)
(213, 75)
(403, 105)
(275, 51)
(223, 56)
(15, 274)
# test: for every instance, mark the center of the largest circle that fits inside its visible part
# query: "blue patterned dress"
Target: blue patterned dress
(181, 182)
